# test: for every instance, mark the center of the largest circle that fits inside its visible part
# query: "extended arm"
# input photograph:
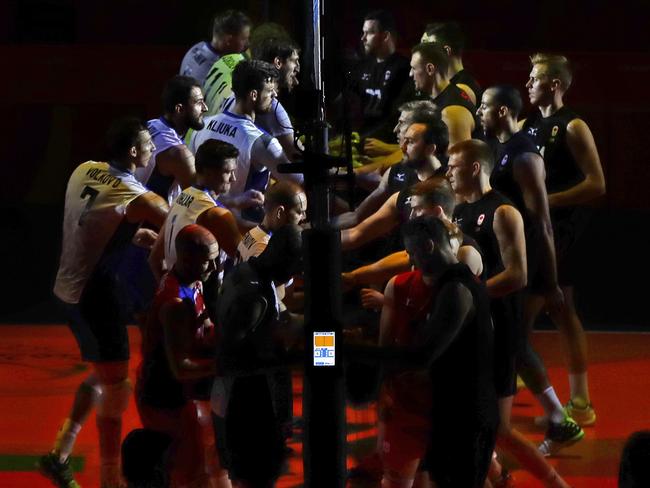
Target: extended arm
(177, 161)
(369, 205)
(378, 224)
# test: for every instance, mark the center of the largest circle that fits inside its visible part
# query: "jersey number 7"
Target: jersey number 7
(91, 193)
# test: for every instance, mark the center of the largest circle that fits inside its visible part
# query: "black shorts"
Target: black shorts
(99, 320)
(460, 457)
(508, 339)
(569, 226)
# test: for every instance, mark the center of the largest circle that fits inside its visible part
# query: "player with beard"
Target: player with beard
(422, 144)
(429, 68)
(519, 174)
(449, 35)
(254, 85)
(399, 175)
(379, 78)
(172, 164)
(574, 178)
(498, 227)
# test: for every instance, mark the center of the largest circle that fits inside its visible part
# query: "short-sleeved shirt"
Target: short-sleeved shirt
(276, 121)
(198, 61)
(95, 206)
(164, 136)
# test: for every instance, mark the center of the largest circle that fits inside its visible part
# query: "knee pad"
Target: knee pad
(115, 399)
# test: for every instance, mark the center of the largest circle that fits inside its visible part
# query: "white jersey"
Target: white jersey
(95, 205)
(238, 130)
(163, 136)
(276, 121)
(198, 61)
(253, 244)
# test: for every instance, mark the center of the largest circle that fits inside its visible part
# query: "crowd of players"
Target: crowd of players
(467, 231)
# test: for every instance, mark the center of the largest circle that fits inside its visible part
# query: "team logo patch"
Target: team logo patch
(532, 131)
(504, 161)
(554, 130)
(400, 176)
(480, 219)
(387, 75)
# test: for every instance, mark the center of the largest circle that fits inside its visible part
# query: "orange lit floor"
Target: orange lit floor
(40, 371)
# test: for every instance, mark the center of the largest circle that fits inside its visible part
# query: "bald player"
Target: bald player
(104, 204)
(498, 227)
(519, 174)
(179, 341)
(429, 70)
(574, 177)
(199, 204)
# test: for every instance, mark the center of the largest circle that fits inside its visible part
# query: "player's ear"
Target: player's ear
(503, 111)
(447, 49)
(430, 68)
(178, 108)
(431, 149)
(133, 151)
(279, 211)
(277, 62)
(253, 94)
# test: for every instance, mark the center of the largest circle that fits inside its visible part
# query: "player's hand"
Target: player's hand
(554, 300)
(372, 299)
(145, 238)
(374, 147)
(250, 198)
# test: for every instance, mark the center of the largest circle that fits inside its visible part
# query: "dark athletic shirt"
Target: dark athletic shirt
(464, 371)
(502, 178)
(452, 95)
(403, 207)
(379, 85)
(549, 135)
(465, 78)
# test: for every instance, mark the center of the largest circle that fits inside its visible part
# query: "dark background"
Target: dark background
(70, 66)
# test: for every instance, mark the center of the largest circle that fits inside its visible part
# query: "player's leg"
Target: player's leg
(575, 342)
(116, 391)
(524, 451)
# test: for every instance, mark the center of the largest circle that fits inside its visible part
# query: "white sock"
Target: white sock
(579, 389)
(66, 438)
(552, 406)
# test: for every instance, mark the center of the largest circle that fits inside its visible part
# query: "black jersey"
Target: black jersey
(379, 84)
(549, 135)
(401, 176)
(502, 178)
(403, 207)
(465, 78)
(452, 95)
(464, 371)
(476, 219)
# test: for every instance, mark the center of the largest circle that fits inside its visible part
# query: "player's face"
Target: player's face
(414, 146)
(459, 173)
(290, 70)
(539, 85)
(224, 178)
(487, 112)
(144, 149)
(420, 207)
(371, 37)
(200, 264)
(418, 251)
(195, 108)
(265, 96)
(400, 129)
(421, 78)
(298, 213)
(239, 43)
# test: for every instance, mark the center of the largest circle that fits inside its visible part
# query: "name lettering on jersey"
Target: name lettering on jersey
(248, 241)
(103, 177)
(185, 200)
(222, 128)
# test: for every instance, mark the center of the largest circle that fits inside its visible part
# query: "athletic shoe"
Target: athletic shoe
(584, 417)
(559, 436)
(59, 472)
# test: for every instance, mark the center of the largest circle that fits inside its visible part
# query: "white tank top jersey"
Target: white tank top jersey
(239, 131)
(185, 210)
(95, 205)
(198, 61)
(217, 86)
(163, 136)
(252, 244)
